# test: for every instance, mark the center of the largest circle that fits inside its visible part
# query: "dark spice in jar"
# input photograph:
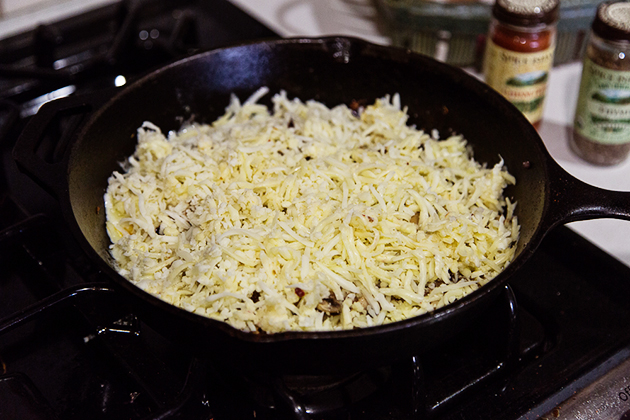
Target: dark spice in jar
(519, 52)
(601, 129)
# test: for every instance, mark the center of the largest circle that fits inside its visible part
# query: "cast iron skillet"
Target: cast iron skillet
(331, 70)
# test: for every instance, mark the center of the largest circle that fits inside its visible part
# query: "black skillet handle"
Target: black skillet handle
(43, 147)
(572, 200)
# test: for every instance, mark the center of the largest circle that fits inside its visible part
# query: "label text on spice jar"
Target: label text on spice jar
(520, 77)
(603, 108)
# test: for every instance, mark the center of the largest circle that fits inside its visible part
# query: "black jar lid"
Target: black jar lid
(526, 12)
(612, 21)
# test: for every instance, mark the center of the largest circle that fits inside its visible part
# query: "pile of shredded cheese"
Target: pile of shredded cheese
(308, 218)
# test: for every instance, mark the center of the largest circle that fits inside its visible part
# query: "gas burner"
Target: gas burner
(113, 45)
(301, 396)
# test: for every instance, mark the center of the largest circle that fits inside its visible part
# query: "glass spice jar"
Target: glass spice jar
(601, 128)
(519, 52)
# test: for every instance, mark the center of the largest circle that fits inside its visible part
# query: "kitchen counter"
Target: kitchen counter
(359, 18)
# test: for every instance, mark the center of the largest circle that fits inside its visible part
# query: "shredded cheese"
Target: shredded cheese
(308, 218)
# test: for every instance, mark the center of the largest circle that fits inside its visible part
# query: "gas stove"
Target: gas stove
(555, 345)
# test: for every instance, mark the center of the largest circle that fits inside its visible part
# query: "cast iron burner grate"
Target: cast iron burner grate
(128, 39)
(77, 351)
(98, 358)
(70, 348)
(429, 385)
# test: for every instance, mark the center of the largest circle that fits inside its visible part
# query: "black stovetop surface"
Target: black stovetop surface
(72, 348)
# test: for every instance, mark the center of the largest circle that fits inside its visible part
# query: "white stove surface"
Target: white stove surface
(359, 18)
(21, 15)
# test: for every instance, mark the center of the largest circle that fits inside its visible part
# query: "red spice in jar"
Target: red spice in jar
(519, 41)
(519, 52)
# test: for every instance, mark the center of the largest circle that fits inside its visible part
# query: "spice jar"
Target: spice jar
(519, 52)
(601, 129)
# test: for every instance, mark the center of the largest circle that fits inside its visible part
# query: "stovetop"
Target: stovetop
(71, 346)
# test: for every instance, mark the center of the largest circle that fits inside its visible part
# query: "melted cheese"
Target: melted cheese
(308, 218)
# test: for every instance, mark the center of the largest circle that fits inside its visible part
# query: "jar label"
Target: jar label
(603, 108)
(520, 77)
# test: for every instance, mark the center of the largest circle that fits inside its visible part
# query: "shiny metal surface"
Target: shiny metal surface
(608, 398)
